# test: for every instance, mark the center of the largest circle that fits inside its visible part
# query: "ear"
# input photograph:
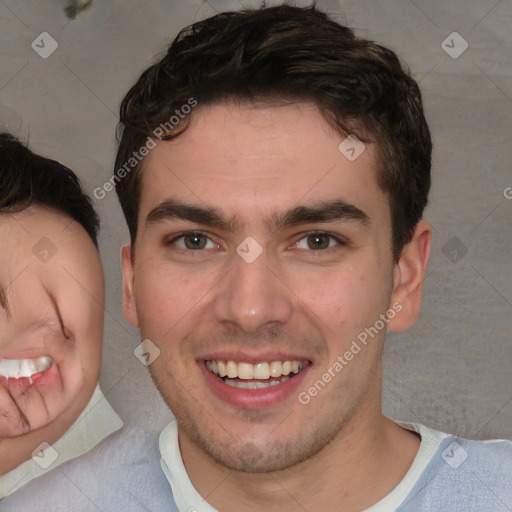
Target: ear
(129, 309)
(409, 274)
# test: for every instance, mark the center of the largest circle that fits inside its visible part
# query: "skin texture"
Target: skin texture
(69, 284)
(251, 163)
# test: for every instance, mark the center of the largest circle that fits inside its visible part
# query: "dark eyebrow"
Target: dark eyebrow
(169, 210)
(327, 211)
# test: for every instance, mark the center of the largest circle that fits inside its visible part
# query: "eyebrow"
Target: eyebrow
(327, 211)
(337, 210)
(173, 210)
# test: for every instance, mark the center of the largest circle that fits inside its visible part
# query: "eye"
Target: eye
(318, 242)
(193, 241)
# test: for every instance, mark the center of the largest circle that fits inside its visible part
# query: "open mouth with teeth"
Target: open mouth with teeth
(29, 388)
(25, 371)
(262, 375)
(262, 385)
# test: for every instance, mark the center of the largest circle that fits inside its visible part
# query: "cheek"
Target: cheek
(165, 297)
(345, 300)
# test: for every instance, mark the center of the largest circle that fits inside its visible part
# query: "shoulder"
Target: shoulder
(123, 472)
(466, 476)
(485, 459)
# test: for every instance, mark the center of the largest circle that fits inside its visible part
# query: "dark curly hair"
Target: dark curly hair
(282, 55)
(28, 179)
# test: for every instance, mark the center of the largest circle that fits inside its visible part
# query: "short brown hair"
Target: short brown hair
(288, 54)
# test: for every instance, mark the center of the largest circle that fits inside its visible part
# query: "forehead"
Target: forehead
(251, 161)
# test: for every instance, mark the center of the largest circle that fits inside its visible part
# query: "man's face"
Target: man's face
(51, 321)
(291, 263)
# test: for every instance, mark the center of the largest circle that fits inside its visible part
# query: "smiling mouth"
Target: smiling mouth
(255, 376)
(25, 368)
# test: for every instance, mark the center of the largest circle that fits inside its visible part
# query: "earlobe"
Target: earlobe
(408, 277)
(129, 309)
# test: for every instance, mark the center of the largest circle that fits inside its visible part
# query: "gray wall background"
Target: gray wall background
(452, 370)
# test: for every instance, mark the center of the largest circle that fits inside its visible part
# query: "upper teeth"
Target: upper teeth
(249, 371)
(17, 368)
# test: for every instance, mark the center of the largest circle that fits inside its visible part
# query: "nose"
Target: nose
(252, 296)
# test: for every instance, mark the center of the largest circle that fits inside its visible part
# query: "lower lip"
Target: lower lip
(40, 381)
(252, 398)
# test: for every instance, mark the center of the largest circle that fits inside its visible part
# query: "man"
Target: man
(51, 318)
(271, 249)
(273, 170)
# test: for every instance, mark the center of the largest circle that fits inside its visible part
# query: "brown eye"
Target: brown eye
(318, 241)
(192, 241)
(195, 241)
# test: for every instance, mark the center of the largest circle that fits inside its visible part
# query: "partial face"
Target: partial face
(261, 250)
(51, 321)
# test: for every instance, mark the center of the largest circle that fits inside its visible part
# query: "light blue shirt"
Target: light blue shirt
(123, 473)
(120, 474)
(464, 476)
(448, 474)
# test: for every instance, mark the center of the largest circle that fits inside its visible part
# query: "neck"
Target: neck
(364, 463)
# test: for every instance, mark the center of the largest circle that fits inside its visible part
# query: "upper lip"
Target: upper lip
(243, 356)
